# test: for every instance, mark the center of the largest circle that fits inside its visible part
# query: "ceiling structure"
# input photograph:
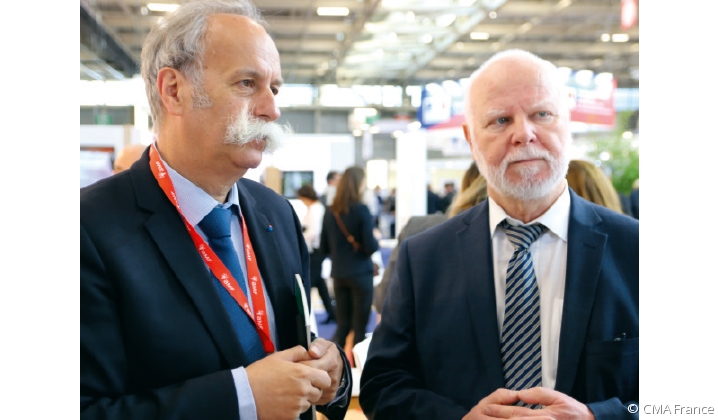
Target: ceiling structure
(389, 42)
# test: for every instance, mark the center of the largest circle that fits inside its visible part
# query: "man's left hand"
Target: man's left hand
(555, 405)
(326, 356)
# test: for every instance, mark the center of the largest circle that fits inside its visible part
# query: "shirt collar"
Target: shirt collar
(555, 218)
(194, 202)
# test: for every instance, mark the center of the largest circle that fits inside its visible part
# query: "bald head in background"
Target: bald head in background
(127, 157)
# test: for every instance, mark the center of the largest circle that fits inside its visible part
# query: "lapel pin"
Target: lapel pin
(270, 228)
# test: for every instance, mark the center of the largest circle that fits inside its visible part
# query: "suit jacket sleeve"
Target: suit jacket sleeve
(391, 380)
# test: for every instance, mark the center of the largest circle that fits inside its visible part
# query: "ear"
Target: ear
(467, 135)
(171, 85)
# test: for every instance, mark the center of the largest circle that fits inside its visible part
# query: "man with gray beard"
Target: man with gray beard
(187, 270)
(525, 305)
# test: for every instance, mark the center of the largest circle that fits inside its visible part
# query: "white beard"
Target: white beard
(529, 187)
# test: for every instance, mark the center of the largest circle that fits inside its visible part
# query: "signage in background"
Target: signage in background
(435, 106)
(95, 164)
(592, 98)
(592, 102)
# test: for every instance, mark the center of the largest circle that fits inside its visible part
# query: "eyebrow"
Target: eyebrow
(256, 75)
(494, 113)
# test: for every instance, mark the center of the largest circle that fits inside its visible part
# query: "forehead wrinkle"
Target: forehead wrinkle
(544, 103)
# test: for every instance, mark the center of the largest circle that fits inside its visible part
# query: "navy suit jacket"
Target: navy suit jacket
(347, 263)
(436, 354)
(155, 339)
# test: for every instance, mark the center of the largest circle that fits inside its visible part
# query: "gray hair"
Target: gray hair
(177, 42)
(551, 71)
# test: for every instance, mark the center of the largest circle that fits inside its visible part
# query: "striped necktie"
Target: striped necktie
(216, 225)
(521, 333)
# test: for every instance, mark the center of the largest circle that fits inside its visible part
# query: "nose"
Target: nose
(524, 130)
(265, 106)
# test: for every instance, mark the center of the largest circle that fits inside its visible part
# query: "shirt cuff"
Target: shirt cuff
(345, 386)
(245, 398)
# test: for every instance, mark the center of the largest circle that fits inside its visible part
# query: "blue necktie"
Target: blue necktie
(216, 225)
(521, 334)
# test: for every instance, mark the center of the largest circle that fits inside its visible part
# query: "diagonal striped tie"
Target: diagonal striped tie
(216, 225)
(521, 334)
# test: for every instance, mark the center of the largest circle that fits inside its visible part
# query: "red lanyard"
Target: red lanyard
(256, 289)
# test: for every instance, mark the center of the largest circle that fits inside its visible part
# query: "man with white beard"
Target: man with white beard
(525, 305)
(187, 270)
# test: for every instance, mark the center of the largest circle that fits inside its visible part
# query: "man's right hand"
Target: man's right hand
(282, 388)
(489, 407)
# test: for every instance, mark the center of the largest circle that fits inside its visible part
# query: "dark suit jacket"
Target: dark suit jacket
(436, 354)
(634, 202)
(433, 202)
(347, 263)
(155, 339)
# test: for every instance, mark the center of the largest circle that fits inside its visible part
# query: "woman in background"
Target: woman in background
(589, 181)
(312, 229)
(347, 237)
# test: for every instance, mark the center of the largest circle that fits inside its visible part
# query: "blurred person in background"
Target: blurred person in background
(473, 194)
(333, 178)
(312, 229)
(433, 201)
(371, 200)
(469, 176)
(449, 193)
(127, 156)
(389, 209)
(591, 183)
(348, 238)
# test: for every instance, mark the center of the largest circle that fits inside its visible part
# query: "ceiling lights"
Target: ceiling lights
(615, 37)
(446, 20)
(162, 7)
(333, 11)
(619, 37)
(479, 36)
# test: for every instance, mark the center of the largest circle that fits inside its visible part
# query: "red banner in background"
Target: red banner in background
(594, 106)
(629, 13)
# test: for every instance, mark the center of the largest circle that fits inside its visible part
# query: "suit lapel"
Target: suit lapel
(583, 264)
(167, 229)
(477, 262)
(268, 254)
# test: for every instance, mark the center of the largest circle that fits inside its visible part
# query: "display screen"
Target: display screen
(95, 164)
(292, 180)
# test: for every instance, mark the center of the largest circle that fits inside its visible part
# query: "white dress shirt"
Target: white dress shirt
(548, 253)
(312, 225)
